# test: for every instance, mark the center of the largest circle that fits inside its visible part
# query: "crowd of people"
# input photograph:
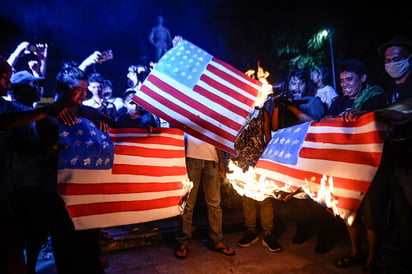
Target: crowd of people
(32, 208)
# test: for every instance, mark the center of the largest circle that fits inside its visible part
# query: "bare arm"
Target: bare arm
(267, 126)
(23, 118)
(275, 119)
(397, 114)
(90, 60)
(39, 67)
(303, 117)
(20, 51)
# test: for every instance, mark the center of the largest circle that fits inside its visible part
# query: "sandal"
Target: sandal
(182, 252)
(349, 261)
(224, 249)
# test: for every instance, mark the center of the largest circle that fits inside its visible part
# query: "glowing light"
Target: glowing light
(266, 88)
(187, 187)
(258, 187)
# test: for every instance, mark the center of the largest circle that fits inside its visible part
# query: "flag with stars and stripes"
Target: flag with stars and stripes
(200, 94)
(349, 153)
(126, 177)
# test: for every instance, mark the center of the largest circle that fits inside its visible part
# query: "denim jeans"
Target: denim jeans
(205, 173)
(250, 209)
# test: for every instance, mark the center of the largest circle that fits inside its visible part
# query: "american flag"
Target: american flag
(128, 176)
(200, 94)
(349, 153)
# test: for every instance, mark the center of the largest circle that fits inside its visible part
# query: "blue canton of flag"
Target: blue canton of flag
(286, 143)
(89, 147)
(184, 63)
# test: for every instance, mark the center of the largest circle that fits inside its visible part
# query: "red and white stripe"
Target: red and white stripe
(147, 181)
(350, 153)
(214, 110)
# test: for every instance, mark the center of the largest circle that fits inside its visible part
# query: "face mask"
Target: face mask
(397, 69)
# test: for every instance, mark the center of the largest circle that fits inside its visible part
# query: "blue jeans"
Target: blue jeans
(205, 173)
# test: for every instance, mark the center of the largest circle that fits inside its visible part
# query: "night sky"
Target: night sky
(237, 32)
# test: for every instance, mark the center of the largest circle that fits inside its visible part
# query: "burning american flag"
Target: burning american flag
(201, 95)
(329, 159)
(130, 176)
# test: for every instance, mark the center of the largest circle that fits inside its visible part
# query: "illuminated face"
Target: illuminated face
(296, 85)
(350, 83)
(107, 92)
(394, 54)
(96, 89)
(79, 92)
(315, 76)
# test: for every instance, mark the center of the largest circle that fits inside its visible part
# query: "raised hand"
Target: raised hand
(68, 118)
(104, 126)
(176, 40)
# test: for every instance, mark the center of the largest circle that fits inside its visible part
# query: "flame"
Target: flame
(252, 185)
(259, 187)
(266, 89)
(324, 194)
(187, 187)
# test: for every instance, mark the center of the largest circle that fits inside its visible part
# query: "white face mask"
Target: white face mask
(397, 69)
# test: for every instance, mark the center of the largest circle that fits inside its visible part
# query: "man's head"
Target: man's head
(107, 89)
(397, 57)
(319, 74)
(297, 81)
(5, 74)
(71, 88)
(352, 76)
(95, 84)
(26, 88)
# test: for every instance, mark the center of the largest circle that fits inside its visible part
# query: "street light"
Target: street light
(328, 34)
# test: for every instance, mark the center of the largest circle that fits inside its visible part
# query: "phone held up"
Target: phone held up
(106, 55)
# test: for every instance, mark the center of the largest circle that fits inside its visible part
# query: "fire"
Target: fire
(252, 185)
(266, 88)
(259, 187)
(324, 194)
(187, 187)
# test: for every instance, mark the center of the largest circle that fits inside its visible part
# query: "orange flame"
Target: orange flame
(259, 188)
(266, 88)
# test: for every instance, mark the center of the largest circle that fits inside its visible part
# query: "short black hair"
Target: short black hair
(352, 65)
(95, 77)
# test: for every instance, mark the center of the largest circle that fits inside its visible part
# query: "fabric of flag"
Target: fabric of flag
(200, 94)
(126, 177)
(348, 152)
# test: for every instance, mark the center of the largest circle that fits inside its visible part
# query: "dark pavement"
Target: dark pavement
(150, 248)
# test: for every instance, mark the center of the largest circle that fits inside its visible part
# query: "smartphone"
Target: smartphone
(106, 55)
(33, 48)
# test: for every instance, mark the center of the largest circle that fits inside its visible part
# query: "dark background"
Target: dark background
(240, 33)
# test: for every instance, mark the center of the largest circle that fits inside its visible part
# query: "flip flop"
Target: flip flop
(182, 252)
(224, 249)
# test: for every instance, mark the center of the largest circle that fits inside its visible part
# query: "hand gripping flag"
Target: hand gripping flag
(347, 153)
(201, 95)
(130, 176)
